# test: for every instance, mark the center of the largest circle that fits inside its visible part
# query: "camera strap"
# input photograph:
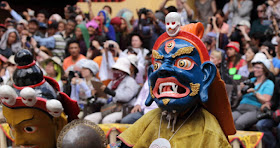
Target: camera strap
(260, 85)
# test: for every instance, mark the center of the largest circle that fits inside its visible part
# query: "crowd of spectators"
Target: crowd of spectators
(101, 60)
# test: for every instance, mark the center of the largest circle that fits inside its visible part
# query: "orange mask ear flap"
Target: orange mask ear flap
(195, 28)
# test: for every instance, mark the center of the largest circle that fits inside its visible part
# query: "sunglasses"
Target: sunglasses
(258, 67)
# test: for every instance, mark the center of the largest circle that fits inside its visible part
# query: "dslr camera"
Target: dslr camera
(248, 84)
(267, 113)
(71, 9)
(147, 21)
(71, 75)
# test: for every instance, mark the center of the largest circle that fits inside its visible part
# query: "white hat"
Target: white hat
(122, 64)
(81, 62)
(245, 22)
(91, 65)
(133, 60)
(261, 58)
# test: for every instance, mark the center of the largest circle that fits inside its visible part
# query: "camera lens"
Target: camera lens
(111, 45)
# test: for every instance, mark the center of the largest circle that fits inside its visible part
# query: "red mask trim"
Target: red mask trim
(40, 104)
(27, 66)
(194, 40)
(32, 86)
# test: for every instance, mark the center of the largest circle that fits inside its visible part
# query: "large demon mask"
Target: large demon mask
(180, 75)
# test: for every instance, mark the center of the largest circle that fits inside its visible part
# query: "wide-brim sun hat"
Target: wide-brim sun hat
(122, 64)
(261, 58)
(56, 60)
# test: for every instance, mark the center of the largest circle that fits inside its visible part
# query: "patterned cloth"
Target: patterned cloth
(60, 45)
(107, 128)
(248, 139)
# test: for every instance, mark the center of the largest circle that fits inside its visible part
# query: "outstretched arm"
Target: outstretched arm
(162, 5)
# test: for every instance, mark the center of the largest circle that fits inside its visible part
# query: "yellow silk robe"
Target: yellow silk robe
(201, 130)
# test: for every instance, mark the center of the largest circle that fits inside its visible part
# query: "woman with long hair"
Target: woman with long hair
(248, 68)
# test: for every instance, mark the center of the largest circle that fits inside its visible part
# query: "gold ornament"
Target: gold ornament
(182, 51)
(156, 55)
(165, 101)
(194, 89)
(151, 92)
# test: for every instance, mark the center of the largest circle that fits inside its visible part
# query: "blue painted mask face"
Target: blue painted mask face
(177, 78)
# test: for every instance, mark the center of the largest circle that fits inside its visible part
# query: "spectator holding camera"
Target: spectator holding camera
(81, 77)
(148, 27)
(5, 5)
(105, 61)
(269, 50)
(254, 95)
(205, 9)
(216, 23)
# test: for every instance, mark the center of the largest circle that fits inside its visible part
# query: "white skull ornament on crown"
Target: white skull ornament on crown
(8, 95)
(173, 23)
(54, 107)
(28, 95)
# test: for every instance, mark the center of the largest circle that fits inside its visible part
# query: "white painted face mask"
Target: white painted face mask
(172, 22)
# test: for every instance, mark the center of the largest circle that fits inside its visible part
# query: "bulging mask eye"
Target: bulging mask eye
(184, 64)
(30, 129)
(157, 65)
